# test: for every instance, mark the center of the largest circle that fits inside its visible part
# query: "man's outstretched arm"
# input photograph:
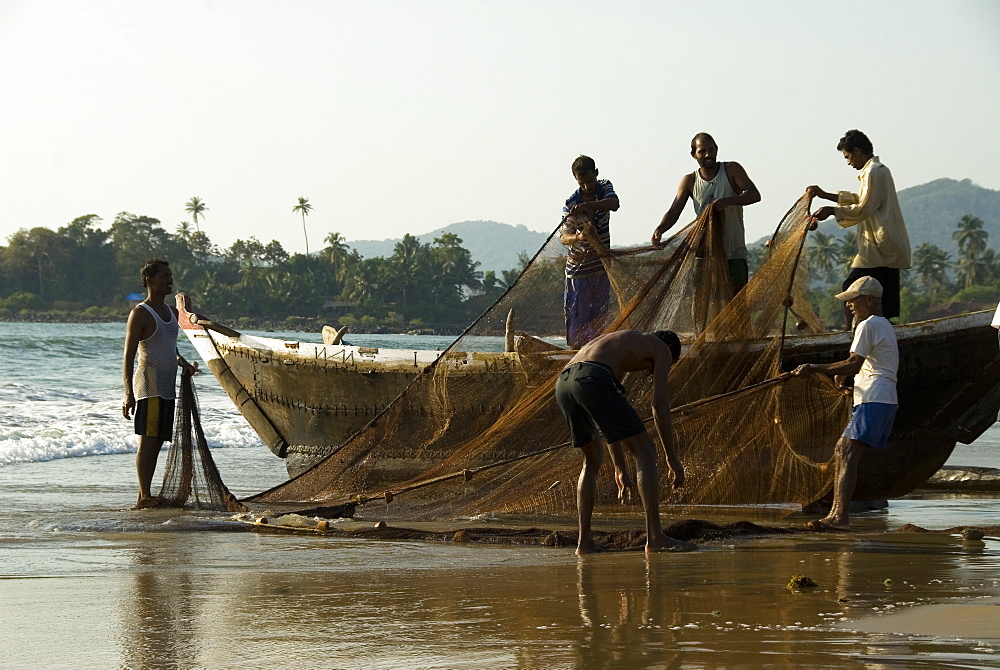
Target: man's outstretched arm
(847, 367)
(676, 207)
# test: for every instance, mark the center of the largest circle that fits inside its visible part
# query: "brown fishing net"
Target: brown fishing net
(688, 530)
(480, 433)
(191, 476)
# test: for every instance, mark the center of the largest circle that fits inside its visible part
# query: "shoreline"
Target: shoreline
(299, 323)
(716, 605)
(176, 587)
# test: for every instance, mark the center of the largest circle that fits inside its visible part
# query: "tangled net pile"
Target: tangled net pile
(191, 476)
(462, 443)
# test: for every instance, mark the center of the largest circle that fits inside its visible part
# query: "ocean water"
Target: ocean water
(87, 582)
(61, 393)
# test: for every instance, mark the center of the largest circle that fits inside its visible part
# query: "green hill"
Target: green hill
(495, 245)
(932, 211)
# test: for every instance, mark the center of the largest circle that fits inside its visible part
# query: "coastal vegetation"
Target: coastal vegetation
(85, 270)
(936, 285)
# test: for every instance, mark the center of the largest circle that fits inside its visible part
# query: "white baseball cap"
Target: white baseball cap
(861, 286)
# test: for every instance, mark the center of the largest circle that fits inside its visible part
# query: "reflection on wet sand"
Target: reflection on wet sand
(159, 614)
(729, 608)
(314, 602)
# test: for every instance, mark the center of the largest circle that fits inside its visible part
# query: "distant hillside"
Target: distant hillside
(495, 245)
(932, 210)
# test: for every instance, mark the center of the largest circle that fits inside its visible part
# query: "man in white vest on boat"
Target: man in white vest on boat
(152, 333)
(726, 188)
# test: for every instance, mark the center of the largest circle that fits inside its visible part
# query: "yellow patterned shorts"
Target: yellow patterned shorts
(154, 417)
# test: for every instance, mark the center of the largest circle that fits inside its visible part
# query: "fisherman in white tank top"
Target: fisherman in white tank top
(708, 191)
(727, 188)
(156, 375)
(150, 390)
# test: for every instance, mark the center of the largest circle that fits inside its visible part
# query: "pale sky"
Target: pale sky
(395, 117)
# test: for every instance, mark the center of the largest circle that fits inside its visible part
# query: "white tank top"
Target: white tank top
(156, 373)
(704, 192)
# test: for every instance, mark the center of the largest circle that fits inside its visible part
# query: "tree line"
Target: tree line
(973, 276)
(82, 269)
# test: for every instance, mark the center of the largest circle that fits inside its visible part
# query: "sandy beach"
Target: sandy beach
(85, 582)
(90, 585)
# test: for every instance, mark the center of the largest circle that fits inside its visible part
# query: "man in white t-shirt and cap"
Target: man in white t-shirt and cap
(874, 362)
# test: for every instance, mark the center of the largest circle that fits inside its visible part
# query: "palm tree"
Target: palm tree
(336, 250)
(930, 263)
(304, 208)
(196, 207)
(823, 254)
(508, 277)
(465, 274)
(846, 250)
(968, 269)
(492, 286)
(407, 261)
(971, 239)
(990, 265)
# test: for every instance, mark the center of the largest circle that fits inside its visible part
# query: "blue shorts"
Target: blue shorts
(871, 423)
(589, 395)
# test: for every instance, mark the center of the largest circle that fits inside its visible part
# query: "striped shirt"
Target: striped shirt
(582, 259)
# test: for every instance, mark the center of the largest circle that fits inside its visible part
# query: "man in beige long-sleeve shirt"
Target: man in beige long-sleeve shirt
(883, 243)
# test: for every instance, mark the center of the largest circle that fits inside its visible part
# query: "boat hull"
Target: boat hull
(305, 399)
(948, 388)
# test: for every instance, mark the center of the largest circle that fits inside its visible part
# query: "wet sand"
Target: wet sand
(979, 619)
(184, 595)
(85, 583)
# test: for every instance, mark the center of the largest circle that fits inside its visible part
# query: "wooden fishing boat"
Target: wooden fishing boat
(949, 392)
(305, 399)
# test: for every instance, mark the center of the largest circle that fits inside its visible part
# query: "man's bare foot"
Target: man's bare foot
(836, 523)
(147, 503)
(666, 543)
(589, 547)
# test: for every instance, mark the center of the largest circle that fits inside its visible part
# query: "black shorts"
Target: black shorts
(888, 278)
(154, 417)
(739, 273)
(589, 396)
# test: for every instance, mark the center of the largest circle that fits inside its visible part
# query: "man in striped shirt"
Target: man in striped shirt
(587, 213)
